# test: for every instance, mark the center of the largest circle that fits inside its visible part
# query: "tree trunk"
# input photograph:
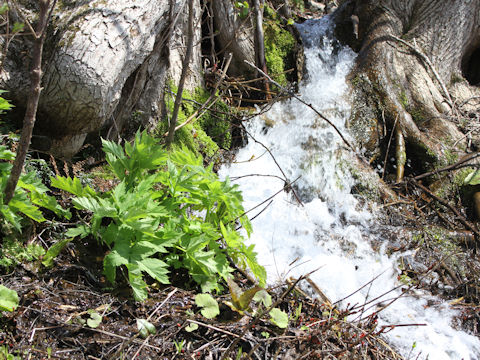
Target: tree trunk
(417, 60)
(103, 62)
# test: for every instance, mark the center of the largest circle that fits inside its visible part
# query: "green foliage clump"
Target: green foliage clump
(30, 193)
(279, 50)
(243, 8)
(167, 211)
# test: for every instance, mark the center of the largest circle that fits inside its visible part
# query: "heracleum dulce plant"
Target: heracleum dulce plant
(166, 211)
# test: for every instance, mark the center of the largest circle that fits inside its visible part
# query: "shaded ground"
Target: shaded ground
(51, 323)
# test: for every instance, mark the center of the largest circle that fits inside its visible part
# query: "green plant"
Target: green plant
(166, 211)
(6, 355)
(145, 328)
(279, 51)
(30, 194)
(279, 318)
(207, 133)
(243, 8)
(8, 299)
(14, 252)
(179, 345)
(208, 305)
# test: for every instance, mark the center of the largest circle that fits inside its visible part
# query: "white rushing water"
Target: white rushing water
(330, 231)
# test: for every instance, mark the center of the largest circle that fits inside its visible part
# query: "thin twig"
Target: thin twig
(389, 143)
(276, 163)
(460, 217)
(268, 199)
(213, 328)
(449, 167)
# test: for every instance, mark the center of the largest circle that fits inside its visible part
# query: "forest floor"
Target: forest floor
(69, 311)
(55, 321)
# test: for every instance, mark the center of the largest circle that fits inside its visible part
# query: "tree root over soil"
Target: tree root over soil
(52, 322)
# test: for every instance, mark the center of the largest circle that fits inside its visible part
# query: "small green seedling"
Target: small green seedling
(179, 346)
(191, 327)
(145, 328)
(279, 318)
(94, 320)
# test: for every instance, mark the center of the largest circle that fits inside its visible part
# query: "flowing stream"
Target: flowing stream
(331, 231)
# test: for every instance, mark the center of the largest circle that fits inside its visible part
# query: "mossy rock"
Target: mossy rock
(205, 135)
(280, 46)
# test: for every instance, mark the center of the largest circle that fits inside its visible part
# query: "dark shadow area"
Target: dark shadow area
(471, 67)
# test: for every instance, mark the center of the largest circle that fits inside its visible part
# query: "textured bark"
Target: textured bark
(103, 61)
(236, 36)
(406, 81)
(183, 76)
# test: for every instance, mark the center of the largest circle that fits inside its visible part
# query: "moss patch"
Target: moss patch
(279, 47)
(205, 135)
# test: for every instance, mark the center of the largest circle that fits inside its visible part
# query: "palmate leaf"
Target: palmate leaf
(81, 231)
(12, 218)
(26, 208)
(156, 268)
(73, 186)
(120, 255)
(135, 279)
(6, 154)
(50, 203)
(31, 182)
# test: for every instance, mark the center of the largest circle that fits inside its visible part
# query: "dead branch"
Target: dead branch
(460, 217)
(455, 166)
(34, 96)
(183, 76)
(259, 42)
(400, 153)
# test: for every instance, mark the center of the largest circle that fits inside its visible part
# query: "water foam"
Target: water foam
(331, 230)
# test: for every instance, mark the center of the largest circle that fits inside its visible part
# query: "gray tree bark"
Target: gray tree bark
(103, 60)
(415, 60)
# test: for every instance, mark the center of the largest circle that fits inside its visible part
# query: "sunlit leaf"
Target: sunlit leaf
(263, 297)
(8, 299)
(191, 327)
(279, 318)
(473, 178)
(241, 299)
(94, 320)
(208, 304)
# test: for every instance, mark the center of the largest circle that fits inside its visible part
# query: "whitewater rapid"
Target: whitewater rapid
(331, 230)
